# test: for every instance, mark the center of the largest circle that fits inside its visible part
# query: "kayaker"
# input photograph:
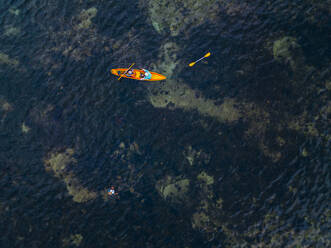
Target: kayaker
(146, 75)
(130, 73)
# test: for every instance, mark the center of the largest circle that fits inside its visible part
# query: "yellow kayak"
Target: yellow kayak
(137, 74)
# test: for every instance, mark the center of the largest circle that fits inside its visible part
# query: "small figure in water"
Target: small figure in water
(112, 193)
(146, 75)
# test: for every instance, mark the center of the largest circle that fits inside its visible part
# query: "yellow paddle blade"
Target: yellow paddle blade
(191, 64)
(207, 55)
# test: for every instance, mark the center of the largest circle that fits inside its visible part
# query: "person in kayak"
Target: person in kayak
(130, 73)
(146, 75)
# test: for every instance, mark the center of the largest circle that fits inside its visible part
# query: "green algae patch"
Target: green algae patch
(190, 155)
(4, 105)
(173, 189)
(219, 203)
(287, 50)
(196, 157)
(258, 121)
(200, 220)
(74, 239)
(25, 128)
(275, 156)
(304, 152)
(208, 213)
(76, 190)
(11, 30)
(176, 94)
(59, 163)
(280, 141)
(207, 217)
(302, 124)
(282, 48)
(168, 16)
(205, 178)
(41, 115)
(83, 31)
(5, 108)
(126, 151)
(134, 147)
(257, 118)
(6, 60)
(167, 59)
(14, 11)
(85, 18)
(228, 111)
(179, 95)
(76, 38)
(122, 145)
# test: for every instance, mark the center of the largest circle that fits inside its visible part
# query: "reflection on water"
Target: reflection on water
(233, 152)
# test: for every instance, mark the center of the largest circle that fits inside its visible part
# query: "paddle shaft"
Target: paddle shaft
(193, 63)
(125, 72)
(198, 60)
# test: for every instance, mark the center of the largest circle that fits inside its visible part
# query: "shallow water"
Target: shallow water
(254, 117)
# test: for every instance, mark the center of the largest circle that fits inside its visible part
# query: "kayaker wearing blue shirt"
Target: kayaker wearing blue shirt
(146, 75)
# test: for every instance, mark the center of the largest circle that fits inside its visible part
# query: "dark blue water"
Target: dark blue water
(233, 152)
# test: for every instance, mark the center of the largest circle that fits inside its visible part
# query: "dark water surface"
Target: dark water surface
(247, 166)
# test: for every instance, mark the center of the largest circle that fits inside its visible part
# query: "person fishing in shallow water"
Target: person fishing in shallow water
(112, 193)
